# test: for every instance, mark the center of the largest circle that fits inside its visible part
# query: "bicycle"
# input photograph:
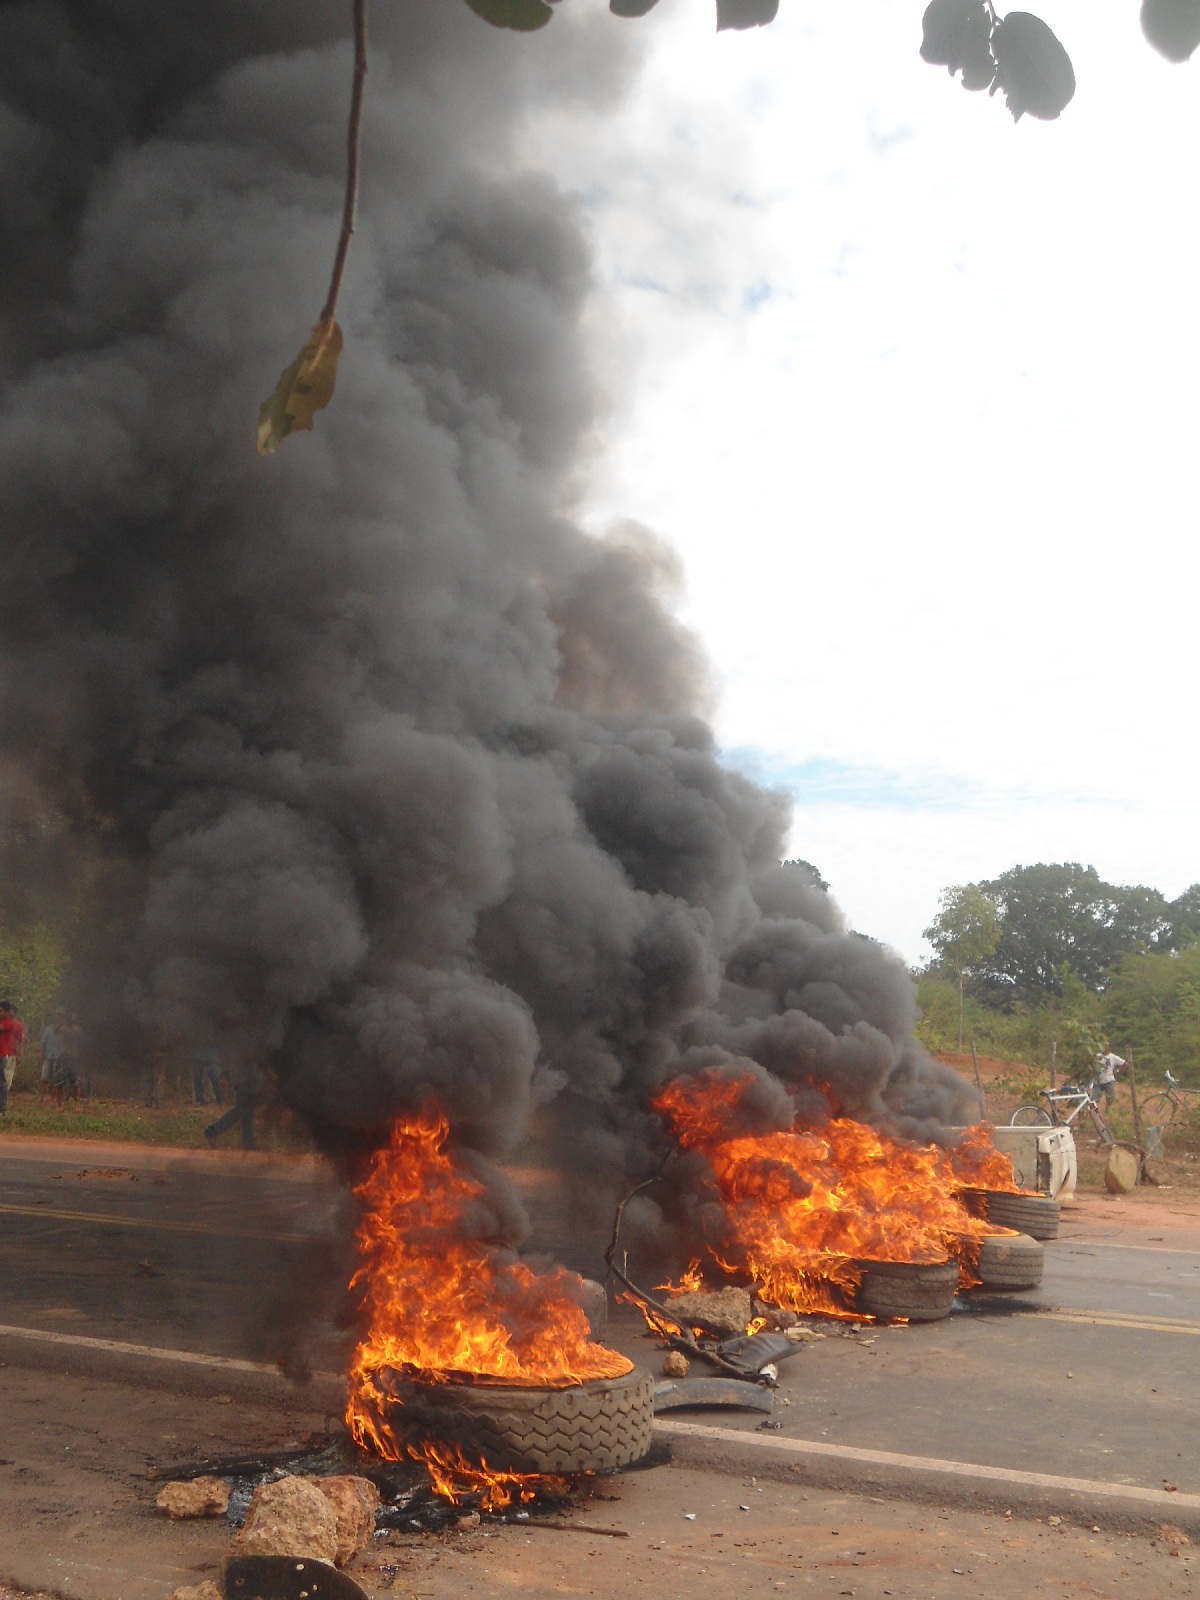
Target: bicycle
(1047, 1115)
(1160, 1110)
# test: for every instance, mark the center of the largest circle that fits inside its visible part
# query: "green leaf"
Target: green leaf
(957, 35)
(1032, 67)
(303, 388)
(525, 16)
(1172, 27)
(745, 13)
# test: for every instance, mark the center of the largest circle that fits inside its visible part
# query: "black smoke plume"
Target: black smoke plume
(401, 782)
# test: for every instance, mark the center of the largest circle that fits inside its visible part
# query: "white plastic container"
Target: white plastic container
(1042, 1158)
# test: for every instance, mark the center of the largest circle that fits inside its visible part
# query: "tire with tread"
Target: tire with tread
(918, 1291)
(595, 1426)
(1009, 1262)
(1034, 1214)
(1031, 1117)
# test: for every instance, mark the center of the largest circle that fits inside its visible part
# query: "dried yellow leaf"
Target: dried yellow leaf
(303, 388)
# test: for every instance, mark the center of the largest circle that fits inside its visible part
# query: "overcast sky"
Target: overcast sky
(912, 390)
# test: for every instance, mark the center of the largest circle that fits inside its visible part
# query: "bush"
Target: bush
(33, 963)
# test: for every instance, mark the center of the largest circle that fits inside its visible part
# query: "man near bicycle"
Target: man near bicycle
(1106, 1077)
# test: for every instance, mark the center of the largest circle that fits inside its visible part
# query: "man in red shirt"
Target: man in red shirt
(12, 1042)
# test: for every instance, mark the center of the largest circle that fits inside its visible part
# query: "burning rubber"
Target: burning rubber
(1033, 1214)
(595, 1426)
(910, 1291)
(1010, 1262)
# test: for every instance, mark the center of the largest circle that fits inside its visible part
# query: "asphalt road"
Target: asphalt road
(1095, 1375)
(224, 1256)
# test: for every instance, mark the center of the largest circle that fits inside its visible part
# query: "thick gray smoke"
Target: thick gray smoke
(406, 779)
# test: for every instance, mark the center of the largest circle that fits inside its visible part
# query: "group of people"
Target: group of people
(59, 1075)
(245, 1079)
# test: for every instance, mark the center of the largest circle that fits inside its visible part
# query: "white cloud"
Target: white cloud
(912, 390)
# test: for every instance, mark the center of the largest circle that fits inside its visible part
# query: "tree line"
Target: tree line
(1052, 953)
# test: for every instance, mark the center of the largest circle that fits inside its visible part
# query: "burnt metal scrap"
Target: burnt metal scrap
(287, 1578)
(747, 1358)
(673, 1394)
(755, 1354)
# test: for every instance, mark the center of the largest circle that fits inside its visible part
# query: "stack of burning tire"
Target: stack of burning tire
(595, 1426)
(1009, 1261)
(924, 1291)
(912, 1291)
(1033, 1214)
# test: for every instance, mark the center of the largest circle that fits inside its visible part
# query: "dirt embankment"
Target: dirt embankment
(990, 1067)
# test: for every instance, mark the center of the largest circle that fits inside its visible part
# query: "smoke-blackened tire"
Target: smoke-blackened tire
(590, 1427)
(1034, 1214)
(916, 1291)
(1010, 1261)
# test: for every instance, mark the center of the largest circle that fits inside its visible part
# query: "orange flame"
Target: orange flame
(806, 1208)
(444, 1306)
(979, 1165)
(689, 1281)
(453, 1476)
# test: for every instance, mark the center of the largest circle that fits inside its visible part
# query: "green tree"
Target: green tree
(33, 963)
(964, 934)
(1153, 1004)
(1185, 918)
(809, 871)
(1059, 915)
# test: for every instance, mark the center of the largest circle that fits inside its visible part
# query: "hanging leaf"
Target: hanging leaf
(745, 13)
(1172, 27)
(631, 8)
(1032, 67)
(303, 388)
(524, 16)
(957, 35)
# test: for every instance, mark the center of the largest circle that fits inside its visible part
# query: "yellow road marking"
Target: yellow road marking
(1122, 1319)
(149, 1222)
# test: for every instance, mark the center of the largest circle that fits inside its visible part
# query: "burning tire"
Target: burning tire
(917, 1291)
(1010, 1261)
(590, 1427)
(1034, 1214)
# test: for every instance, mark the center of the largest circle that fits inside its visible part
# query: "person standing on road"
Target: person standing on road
(53, 1046)
(250, 1085)
(56, 1039)
(64, 1078)
(12, 1042)
(206, 1074)
(1106, 1077)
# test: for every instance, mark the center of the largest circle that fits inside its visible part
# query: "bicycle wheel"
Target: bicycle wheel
(1159, 1111)
(1031, 1117)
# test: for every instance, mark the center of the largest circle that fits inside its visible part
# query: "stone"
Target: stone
(193, 1497)
(1121, 1171)
(779, 1320)
(197, 1591)
(290, 1517)
(355, 1502)
(727, 1311)
(676, 1364)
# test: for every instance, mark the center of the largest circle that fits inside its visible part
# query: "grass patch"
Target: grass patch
(180, 1126)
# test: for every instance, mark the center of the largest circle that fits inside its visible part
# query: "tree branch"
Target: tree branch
(353, 152)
